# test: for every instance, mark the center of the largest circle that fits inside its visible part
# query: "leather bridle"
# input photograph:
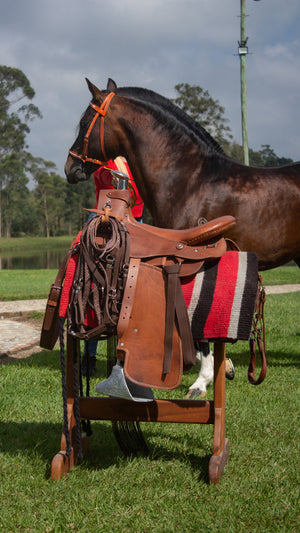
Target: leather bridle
(100, 111)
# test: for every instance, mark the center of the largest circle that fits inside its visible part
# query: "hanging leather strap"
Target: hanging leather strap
(175, 307)
(258, 337)
(55, 292)
(185, 332)
(172, 272)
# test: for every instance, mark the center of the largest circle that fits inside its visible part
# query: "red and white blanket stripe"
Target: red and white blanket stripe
(221, 297)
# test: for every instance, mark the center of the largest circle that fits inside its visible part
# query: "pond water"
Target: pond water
(32, 260)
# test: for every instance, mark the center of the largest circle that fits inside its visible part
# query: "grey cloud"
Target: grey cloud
(155, 44)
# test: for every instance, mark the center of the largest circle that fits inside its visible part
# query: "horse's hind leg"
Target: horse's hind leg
(206, 374)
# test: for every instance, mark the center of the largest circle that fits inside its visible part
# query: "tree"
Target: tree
(50, 193)
(78, 197)
(198, 103)
(13, 194)
(26, 217)
(14, 87)
(266, 157)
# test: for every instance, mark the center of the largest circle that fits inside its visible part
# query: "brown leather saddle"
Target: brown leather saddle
(154, 337)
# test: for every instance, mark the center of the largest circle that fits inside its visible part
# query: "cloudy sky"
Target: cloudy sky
(156, 44)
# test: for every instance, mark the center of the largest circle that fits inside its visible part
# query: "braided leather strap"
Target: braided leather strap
(258, 337)
(99, 278)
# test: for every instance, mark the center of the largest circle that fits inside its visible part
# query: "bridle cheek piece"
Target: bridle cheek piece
(100, 111)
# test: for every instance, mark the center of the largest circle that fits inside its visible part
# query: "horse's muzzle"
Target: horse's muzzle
(74, 171)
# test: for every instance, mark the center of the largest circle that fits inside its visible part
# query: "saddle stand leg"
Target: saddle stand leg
(220, 443)
(63, 461)
(117, 409)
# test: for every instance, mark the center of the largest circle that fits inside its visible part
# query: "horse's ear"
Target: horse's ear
(93, 89)
(111, 85)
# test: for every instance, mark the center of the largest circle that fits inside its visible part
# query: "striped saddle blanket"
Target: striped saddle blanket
(221, 297)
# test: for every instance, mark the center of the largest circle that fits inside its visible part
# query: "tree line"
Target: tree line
(52, 206)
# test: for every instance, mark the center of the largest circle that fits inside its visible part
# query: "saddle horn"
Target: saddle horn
(120, 180)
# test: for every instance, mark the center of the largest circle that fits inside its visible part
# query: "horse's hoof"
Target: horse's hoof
(229, 369)
(195, 393)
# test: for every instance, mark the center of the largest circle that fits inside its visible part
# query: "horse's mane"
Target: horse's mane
(161, 104)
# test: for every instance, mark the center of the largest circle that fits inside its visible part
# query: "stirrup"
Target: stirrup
(118, 386)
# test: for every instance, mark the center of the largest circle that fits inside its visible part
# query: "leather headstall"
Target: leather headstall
(100, 111)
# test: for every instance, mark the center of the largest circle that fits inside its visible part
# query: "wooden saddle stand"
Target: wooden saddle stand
(154, 340)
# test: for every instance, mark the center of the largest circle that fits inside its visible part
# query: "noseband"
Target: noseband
(102, 110)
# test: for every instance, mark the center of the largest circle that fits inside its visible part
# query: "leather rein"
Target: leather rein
(100, 111)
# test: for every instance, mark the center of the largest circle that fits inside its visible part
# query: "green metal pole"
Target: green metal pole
(243, 50)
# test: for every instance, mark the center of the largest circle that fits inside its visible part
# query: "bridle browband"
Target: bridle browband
(102, 110)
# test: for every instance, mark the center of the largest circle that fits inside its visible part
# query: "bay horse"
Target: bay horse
(183, 175)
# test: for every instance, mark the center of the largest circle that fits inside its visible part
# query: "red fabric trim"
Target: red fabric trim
(103, 179)
(224, 292)
(66, 290)
(90, 318)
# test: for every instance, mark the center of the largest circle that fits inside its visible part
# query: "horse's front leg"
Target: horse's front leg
(206, 375)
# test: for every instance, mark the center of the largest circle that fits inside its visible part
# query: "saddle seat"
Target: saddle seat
(163, 246)
(195, 235)
(190, 236)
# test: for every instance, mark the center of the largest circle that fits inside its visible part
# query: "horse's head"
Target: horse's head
(89, 149)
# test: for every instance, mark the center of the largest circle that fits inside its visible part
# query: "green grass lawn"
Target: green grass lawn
(34, 243)
(25, 284)
(167, 491)
(282, 275)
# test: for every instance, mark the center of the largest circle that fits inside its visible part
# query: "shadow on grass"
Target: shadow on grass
(190, 449)
(163, 446)
(42, 440)
(51, 360)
